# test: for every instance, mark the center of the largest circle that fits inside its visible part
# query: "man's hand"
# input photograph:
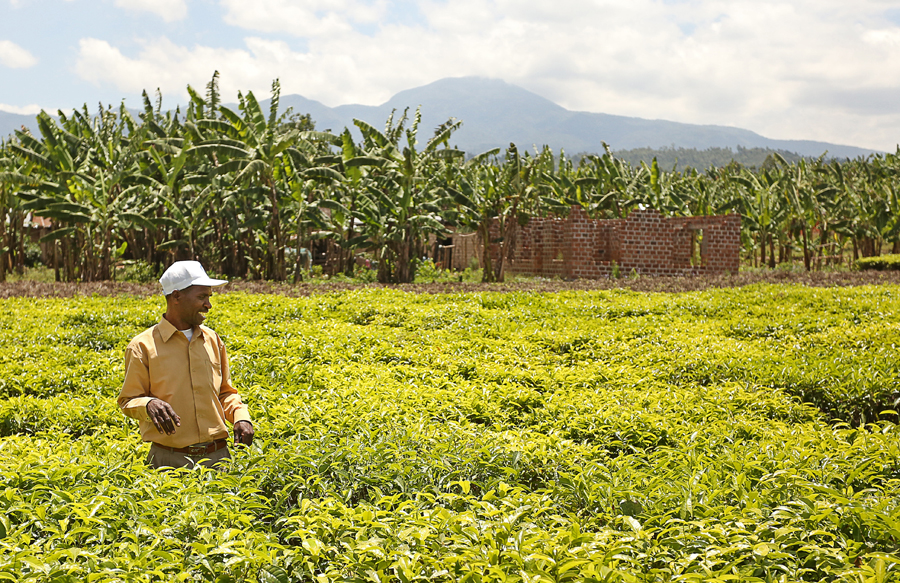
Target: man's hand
(243, 432)
(163, 416)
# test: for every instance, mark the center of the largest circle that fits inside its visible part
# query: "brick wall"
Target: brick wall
(645, 242)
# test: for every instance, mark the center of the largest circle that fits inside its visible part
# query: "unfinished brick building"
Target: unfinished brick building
(645, 242)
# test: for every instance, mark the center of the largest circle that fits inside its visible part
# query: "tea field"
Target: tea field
(724, 435)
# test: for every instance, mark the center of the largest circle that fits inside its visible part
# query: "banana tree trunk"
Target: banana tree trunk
(771, 251)
(404, 271)
(106, 259)
(508, 244)
(56, 274)
(806, 257)
(384, 263)
(487, 270)
(762, 248)
(87, 245)
(276, 252)
(4, 246)
(20, 256)
(298, 274)
(351, 260)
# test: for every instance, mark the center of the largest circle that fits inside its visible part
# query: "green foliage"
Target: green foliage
(616, 272)
(685, 158)
(604, 436)
(880, 263)
(40, 274)
(32, 255)
(245, 191)
(137, 271)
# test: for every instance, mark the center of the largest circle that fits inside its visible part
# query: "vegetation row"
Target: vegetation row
(881, 263)
(735, 434)
(249, 193)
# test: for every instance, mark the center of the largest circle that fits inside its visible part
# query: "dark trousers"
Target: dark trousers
(162, 458)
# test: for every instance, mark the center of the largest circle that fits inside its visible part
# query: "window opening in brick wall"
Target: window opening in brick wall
(697, 247)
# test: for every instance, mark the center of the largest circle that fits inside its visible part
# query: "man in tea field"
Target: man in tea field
(177, 383)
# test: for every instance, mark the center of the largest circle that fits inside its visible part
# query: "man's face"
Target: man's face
(193, 303)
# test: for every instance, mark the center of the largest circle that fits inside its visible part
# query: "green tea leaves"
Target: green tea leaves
(525, 437)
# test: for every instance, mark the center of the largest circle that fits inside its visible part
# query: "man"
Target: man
(177, 383)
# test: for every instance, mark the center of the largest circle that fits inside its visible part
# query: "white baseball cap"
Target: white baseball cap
(184, 274)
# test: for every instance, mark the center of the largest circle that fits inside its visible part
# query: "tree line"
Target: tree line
(686, 158)
(246, 191)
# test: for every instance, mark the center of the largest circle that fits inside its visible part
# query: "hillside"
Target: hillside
(495, 113)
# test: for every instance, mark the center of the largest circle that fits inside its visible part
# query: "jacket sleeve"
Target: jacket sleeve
(135, 393)
(235, 409)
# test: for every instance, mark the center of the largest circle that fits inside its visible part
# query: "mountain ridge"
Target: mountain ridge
(495, 113)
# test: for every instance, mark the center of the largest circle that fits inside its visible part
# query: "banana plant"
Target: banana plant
(112, 172)
(349, 181)
(761, 213)
(797, 189)
(402, 203)
(611, 186)
(250, 146)
(489, 199)
(61, 159)
(13, 178)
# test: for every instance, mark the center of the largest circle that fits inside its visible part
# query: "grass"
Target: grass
(39, 274)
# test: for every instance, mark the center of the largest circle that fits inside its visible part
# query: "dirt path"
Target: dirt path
(649, 284)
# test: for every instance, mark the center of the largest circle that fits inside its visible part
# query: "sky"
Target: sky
(824, 70)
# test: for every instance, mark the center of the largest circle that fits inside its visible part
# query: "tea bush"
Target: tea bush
(740, 434)
(880, 263)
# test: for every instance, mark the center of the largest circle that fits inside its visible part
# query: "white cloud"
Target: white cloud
(15, 57)
(743, 63)
(306, 18)
(168, 10)
(21, 110)
(888, 38)
(785, 68)
(161, 64)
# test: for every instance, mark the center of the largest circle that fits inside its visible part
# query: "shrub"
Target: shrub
(880, 263)
(136, 271)
(33, 255)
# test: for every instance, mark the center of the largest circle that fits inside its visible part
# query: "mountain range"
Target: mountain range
(495, 113)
